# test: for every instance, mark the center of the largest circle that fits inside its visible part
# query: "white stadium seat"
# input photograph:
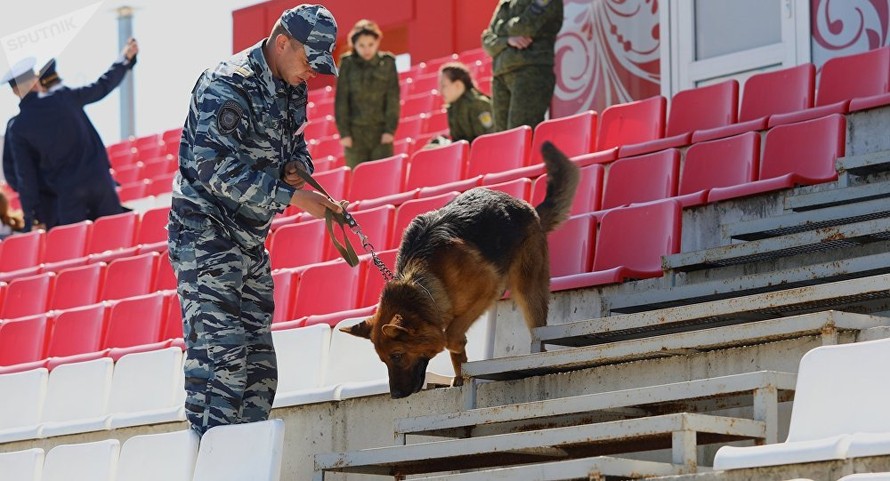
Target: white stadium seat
(82, 462)
(21, 465)
(241, 451)
(152, 457)
(20, 416)
(147, 388)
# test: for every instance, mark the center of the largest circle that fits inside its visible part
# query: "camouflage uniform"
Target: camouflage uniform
(523, 82)
(470, 116)
(242, 128)
(367, 105)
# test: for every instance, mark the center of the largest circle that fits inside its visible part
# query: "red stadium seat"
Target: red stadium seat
(326, 147)
(500, 151)
(153, 226)
(320, 127)
(282, 295)
(77, 286)
(113, 232)
(411, 209)
(376, 225)
(837, 88)
(630, 244)
(324, 93)
(77, 331)
(573, 135)
(128, 277)
(432, 66)
(172, 327)
(470, 56)
(165, 278)
(27, 296)
(321, 109)
(571, 250)
(21, 251)
(149, 146)
(631, 123)
(410, 127)
(587, 196)
(437, 122)
(157, 167)
(133, 190)
(441, 165)
(419, 104)
(298, 244)
(134, 321)
(423, 84)
(766, 94)
(378, 178)
(795, 154)
(66, 242)
(642, 179)
(22, 340)
(372, 279)
(172, 136)
(128, 174)
(718, 163)
(700, 108)
(325, 288)
(519, 188)
(335, 182)
(331, 319)
(160, 185)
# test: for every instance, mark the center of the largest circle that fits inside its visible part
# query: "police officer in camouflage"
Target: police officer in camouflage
(367, 99)
(469, 110)
(521, 40)
(241, 147)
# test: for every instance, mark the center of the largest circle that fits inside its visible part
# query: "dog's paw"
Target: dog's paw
(457, 381)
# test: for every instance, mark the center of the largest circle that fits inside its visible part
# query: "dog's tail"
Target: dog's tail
(562, 181)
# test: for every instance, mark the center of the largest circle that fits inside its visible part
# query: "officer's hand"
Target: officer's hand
(291, 177)
(346, 142)
(520, 42)
(130, 49)
(313, 203)
(387, 139)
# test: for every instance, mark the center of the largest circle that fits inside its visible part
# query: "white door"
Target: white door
(713, 40)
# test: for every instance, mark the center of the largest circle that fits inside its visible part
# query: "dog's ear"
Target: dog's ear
(394, 329)
(362, 329)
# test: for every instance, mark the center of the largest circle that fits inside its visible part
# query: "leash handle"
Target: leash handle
(342, 219)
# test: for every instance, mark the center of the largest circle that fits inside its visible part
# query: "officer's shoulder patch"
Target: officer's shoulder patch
(486, 120)
(244, 71)
(538, 6)
(542, 3)
(229, 116)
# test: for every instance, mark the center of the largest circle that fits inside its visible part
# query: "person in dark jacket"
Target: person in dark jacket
(469, 111)
(367, 99)
(52, 138)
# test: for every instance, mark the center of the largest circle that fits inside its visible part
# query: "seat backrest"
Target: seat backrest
(841, 390)
(78, 390)
(500, 151)
(326, 147)
(66, 241)
(417, 104)
(334, 181)
(320, 127)
(588, 195)
(631, 123)
(423, 84)
(77, 286)
(439, 165)
(642, 178)
(26, 296)
(129, 276)
(146, 381)
(778, 92)
(22, 340)
(241, 451)
(21, 251)
(637, 237)
(411, 127)
(302, 354)
(113, 232)
(809, 148)
(837, 83)
(282, 294)
(26, 406)
(152, 457)
(352, 359)
(571, 246)
(24, 465)
(314, 295)
(77, 331)
(134, 321)
(298, 244)
(153, 227)
(720, 163)
(573, 135)
(82, 462)
(704, 108)
(165, 277)
(376, 225)
(373, 281)
(377, 178)
(518, 188)
(437, 122)
(406, 212)
(172, 327)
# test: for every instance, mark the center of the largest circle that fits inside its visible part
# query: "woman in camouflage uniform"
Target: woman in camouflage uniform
(469, 111)
(367, 101)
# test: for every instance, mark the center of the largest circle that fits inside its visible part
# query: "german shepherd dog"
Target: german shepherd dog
(454, 263)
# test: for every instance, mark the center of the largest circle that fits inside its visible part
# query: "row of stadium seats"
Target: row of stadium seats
(242, 451)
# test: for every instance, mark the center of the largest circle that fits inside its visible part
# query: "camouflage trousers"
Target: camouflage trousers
(226, 295)
(522, 96)
(366, 145)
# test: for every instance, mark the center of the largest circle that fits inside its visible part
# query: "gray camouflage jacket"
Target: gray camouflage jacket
(243, 126)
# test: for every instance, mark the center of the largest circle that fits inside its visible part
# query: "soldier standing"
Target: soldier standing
(520, 41)
(367, 101)
(469, 110)
(241, 147)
